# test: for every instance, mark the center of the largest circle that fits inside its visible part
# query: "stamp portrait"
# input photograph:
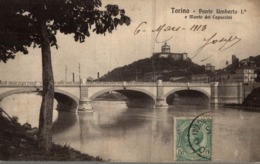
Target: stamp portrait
(193, 139)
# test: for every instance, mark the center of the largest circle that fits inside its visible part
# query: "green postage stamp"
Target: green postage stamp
(193, 139)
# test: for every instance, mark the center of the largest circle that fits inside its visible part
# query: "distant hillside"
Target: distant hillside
(153, 68)
(252, 61)
(256, 60)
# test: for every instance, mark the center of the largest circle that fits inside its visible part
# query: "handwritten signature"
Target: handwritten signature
(225, 43)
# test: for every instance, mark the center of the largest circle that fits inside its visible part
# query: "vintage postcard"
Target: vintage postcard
(130, 81)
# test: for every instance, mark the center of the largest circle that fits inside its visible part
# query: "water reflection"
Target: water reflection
(127, 134)
(26, 107)
(64, 121)
(116, 132)
(146, 135)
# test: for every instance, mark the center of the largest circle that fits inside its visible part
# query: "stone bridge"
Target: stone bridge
(79, 95)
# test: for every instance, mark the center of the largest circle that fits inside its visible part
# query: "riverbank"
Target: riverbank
(243, 107)
(19, 143)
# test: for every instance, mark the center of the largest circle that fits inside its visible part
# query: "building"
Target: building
(200, 78)
(242, 74)
(222, 76)
(246, 75)
(180, 79)
(151, 76)
(247, 63)
(166, 53)
(209, 68)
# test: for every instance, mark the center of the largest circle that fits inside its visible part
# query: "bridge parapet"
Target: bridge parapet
(173, 84)
(67, 85)
(147, 84)
(37, 84)
(104, 84)
(68, 82)
(118, 84)
(19, 85)
(228, 84)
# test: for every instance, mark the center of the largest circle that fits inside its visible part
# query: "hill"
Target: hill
(151, 69)
(250, 62)
(256, 60)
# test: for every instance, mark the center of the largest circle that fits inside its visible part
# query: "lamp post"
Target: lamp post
(79, 73)
(66, 71)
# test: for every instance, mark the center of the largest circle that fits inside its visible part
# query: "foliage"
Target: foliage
(166, 67)
(256, 60)
(15, 119)
(17, 144)
(20, 22)
(26, 23)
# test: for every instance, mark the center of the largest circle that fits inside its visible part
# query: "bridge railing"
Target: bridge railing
(170, 84)
(19, 84)
(35, 84)
(119, 84)
(99, 84)
(173, 84)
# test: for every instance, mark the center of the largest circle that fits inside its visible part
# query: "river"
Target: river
(120, 134)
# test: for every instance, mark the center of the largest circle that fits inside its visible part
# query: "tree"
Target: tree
(35, 23)
(226, 63)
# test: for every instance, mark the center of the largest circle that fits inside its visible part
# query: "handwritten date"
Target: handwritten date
(167, 28)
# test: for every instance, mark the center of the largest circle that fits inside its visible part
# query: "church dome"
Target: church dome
(166, 48)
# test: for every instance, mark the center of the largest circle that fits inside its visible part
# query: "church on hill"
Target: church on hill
(166, 53)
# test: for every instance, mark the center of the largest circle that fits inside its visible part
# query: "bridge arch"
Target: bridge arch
(185, 89)
(136, 97)
(122, 91)
(64, 99)
(17, 91)
(253, 98)
(187, 96)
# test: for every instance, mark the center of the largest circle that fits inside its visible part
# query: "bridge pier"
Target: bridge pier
(226, 93)
(84, 105)
(84, 102)
(160, 99)
(161, 102)
(214, 93)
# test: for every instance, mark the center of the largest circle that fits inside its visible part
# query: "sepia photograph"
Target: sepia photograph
(130, 81)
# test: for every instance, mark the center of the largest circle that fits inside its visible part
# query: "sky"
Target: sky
(127, 44)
